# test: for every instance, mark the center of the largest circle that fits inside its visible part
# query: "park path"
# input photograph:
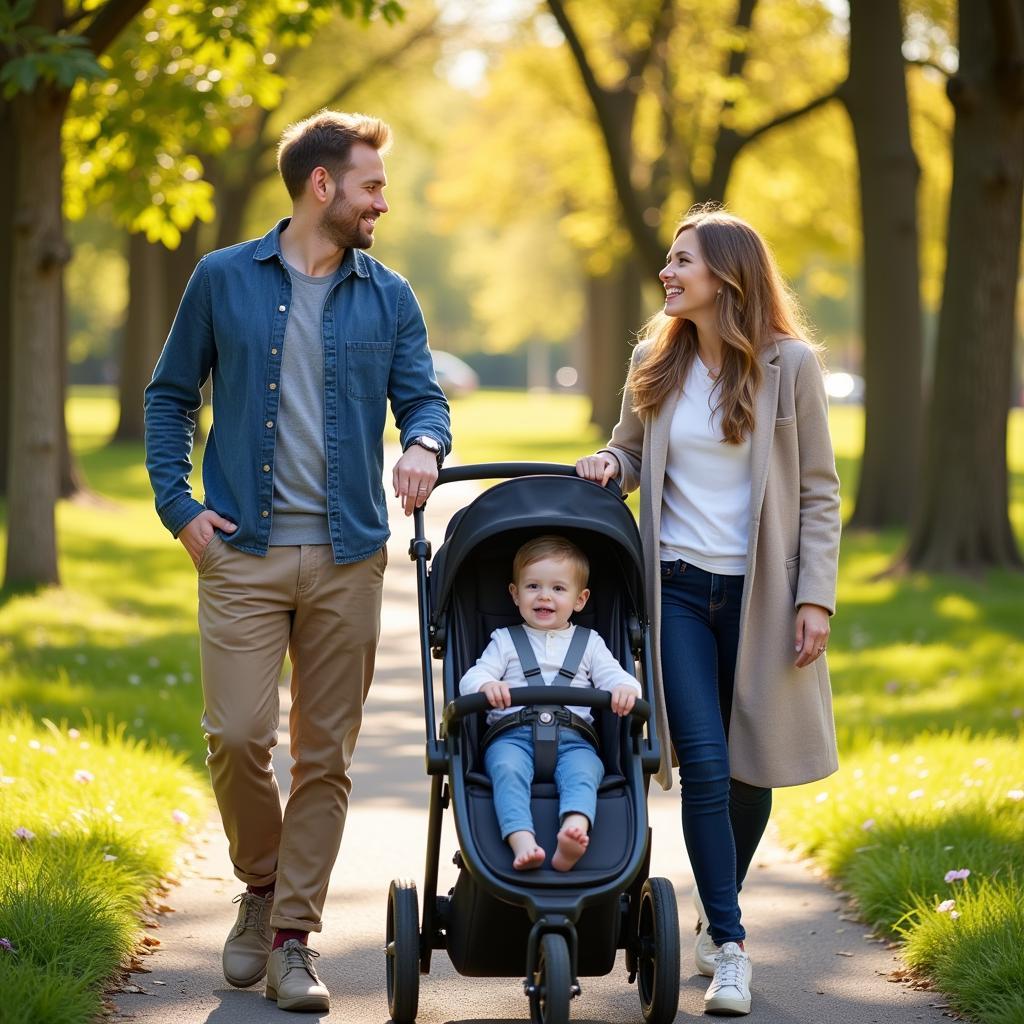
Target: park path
(812, 965)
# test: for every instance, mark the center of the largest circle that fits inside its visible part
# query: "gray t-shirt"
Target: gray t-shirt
(300, 459)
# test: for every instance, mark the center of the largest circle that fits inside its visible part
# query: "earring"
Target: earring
(719, 293)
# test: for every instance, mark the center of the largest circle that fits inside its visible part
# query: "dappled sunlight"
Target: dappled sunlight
(956, 606)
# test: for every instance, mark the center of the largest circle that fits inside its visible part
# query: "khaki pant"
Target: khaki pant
(327, 617)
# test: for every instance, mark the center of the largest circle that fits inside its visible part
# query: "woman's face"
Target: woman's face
(690, 287)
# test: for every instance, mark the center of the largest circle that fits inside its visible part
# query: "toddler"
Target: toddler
(549, 583)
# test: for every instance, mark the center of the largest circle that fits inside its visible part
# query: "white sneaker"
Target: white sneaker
(729, 992)
(704, 949)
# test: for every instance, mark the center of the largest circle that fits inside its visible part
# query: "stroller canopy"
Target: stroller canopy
(591, 515)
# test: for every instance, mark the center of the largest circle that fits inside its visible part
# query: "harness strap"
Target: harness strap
(528, 660)
(545, 720)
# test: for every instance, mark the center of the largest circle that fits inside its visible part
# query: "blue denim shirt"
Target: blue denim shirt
(231, 323)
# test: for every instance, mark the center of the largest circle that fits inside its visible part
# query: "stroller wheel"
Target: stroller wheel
(657, 952)
(403, 951)
(552, 982)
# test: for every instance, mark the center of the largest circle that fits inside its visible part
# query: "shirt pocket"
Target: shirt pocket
(368, 369)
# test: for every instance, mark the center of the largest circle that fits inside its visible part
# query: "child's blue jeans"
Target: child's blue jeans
(509, 763)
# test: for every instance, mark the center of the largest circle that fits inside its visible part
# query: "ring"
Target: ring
(821, 650)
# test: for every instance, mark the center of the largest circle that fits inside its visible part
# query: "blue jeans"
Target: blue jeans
(723, 819)
(509, 763)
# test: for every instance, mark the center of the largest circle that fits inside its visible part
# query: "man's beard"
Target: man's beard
(340, 225)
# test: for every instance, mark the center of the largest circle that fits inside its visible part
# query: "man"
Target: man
(307, 338)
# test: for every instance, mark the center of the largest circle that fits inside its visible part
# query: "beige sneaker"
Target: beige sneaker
(292, 980)
(247, 948)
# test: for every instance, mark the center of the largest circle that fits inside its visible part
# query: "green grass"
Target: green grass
(926, 676)
(89, 824)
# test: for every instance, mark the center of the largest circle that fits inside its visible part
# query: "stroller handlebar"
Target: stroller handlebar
(522, 696)
(508, 470)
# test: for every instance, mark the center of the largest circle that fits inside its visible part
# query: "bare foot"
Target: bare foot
(572, 844)
(528, 854)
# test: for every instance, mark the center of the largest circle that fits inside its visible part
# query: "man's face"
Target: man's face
(358, 201)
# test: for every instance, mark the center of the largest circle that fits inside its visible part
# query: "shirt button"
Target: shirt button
(273, 387)
(270, 423)
(273, 351)
(264, 513)
(266, 468)
(281, 309)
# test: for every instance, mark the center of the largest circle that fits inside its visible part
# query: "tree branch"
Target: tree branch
(614, 113)
(746, 138)
(660, 28)
(594, 88)
(109, 22)
(386, 59)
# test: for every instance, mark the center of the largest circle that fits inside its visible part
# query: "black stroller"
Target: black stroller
(549, 926)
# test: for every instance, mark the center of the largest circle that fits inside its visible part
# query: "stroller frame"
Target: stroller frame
(640, 912)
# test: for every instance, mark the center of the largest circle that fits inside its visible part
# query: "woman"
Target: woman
(724, 428)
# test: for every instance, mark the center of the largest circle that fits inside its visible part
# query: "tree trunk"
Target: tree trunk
(232, 202)
(7, 178)
(145, 328)
(613, 317)
(69, 476)
(40, 251)
(963, 523)
(156, 280)
(876, 99)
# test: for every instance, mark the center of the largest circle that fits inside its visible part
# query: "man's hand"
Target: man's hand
(414, 476)
(623, 699)
(198, 532)
(812, 631)
(601, 467)
(497, 693)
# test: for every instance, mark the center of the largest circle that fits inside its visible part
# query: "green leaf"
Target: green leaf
(19, 75)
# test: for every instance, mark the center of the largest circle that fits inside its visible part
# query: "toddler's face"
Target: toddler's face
(548, 592)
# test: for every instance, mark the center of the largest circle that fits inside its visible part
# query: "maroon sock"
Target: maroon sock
(261, 890)
(282, 935)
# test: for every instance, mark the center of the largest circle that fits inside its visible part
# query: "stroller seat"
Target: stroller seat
(611, 839)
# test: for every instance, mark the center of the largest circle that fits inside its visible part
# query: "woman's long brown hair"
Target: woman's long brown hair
(754, 308)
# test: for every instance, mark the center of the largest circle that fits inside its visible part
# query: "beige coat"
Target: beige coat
(781, 732)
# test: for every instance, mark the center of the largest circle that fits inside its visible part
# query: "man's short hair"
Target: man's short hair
(326, 140)
(551, 546)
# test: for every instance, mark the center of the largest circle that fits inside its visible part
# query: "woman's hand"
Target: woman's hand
(812, 630)
(601, 467)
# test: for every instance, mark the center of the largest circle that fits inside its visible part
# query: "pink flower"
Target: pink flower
(946, 906)
(24, 834)
(179, 817)
(958, 875)
(6, 945)
(109, 857)
(1015, 794)
(868, 825)
(73, 734)
(954, 914)
(83, 776)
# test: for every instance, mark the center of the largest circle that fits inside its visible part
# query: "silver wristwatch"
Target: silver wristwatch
(431, 444)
